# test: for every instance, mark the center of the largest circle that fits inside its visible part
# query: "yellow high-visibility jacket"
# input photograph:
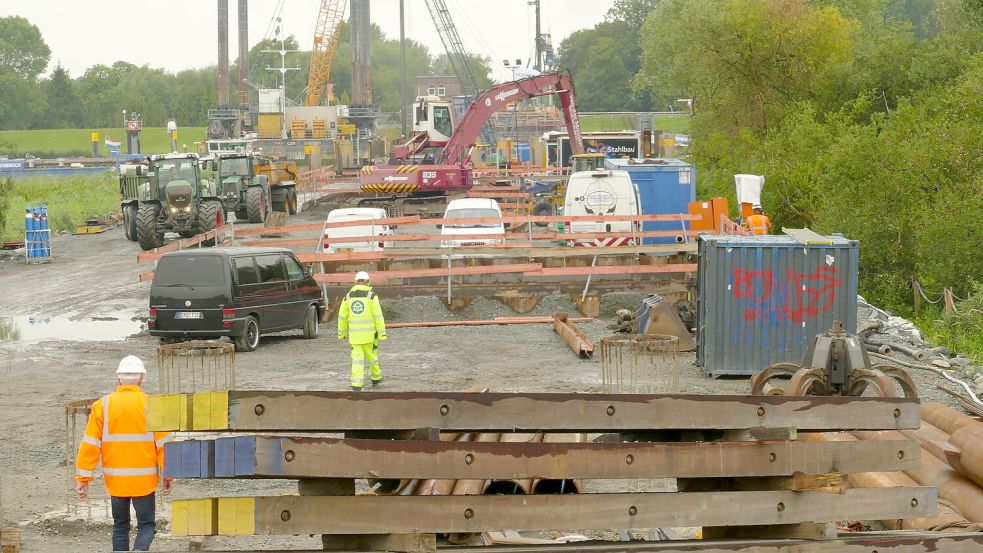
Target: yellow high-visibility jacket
(360, 316)
(132, 458)
(758, 224)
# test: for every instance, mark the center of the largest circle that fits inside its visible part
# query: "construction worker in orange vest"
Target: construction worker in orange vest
(360, 320)
(132, 458)
(759, 223)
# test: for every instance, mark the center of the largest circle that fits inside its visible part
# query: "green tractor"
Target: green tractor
(252, 186)
(243, 190)
(168, 194)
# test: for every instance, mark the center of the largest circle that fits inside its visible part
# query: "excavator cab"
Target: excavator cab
(586, 162)
(434, 116)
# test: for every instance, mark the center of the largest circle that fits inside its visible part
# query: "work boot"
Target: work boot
(376, 382)
(356, 388)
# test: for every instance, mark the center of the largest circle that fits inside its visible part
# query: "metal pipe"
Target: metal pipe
(402, 70)
(945, 418)
(223, 53)
(517, 486)
(559, 486)
(243, 52)
(882, 349)
(969, 462)
(953, 487)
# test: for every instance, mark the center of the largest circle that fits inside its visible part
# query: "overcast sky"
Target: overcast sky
(181, 34)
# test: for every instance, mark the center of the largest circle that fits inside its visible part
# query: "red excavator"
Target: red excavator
(449, 169)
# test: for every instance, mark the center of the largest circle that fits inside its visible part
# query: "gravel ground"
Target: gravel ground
(93, 280)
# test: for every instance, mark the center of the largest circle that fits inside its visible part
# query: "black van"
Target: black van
(236, 292)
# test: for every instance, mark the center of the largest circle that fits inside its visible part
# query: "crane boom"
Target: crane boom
(326, 34)
(453, 45)
(493, 99)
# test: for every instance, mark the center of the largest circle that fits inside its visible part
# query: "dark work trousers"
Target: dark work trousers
(146, 522)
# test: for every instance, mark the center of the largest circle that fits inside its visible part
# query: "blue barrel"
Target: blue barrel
(45, 237)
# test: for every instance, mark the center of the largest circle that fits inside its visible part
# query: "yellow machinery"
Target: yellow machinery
(326, 34)
(586, 162)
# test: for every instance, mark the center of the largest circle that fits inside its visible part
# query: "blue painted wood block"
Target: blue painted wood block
(245, 455)
(224, 457)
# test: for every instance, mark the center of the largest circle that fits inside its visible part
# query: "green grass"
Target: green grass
(72, 142)
(70, 201)
(672, 124)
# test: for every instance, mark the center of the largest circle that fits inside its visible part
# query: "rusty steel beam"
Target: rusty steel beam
(295, 515)
(278, 457)
(854, 542)
(265, 411)
(582, 346)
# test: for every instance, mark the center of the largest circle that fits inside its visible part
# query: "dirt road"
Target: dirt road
(91, 293)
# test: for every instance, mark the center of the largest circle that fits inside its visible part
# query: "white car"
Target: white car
(485, 234)
(334, 238)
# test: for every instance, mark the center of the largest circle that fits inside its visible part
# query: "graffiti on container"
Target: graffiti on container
(796, 297)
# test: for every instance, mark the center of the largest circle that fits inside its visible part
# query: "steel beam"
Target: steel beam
(854, 542)
(276, 457)
(581, 345)
(368, 514)
(311, 411)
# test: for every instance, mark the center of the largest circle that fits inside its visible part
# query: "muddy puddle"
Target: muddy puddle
(29, 329)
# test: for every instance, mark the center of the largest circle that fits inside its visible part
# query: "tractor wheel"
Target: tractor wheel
(241, 215)
(130, 222)
(292, 201)
(147, 233)
(210, 215)
(256, 204)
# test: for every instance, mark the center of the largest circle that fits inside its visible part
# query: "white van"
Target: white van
(334, 238)
(471, 208)
(602, 193)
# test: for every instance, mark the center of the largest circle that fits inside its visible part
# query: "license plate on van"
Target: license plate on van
(188, 315)
(344, 250)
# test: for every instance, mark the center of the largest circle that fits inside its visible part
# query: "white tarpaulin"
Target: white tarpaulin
(749, 188)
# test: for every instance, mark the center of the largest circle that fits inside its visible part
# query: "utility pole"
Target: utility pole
(283, 83)
(402, 72)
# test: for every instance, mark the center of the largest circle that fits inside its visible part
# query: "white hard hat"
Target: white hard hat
(755, 206)
(131, 364)
(361, 275)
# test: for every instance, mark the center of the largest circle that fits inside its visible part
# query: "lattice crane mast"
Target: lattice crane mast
(326, 34)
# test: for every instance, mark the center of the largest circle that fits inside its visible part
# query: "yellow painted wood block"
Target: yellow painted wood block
(179, 517)
(185, 407)
(202, 517)
(219, 411)
(201, 411)
(236, 516)
(164, 413)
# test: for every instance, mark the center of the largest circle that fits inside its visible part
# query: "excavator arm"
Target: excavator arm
(458, 147)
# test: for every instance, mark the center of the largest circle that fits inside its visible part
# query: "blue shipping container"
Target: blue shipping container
(522, 151)
(761, 299)
(665, 186)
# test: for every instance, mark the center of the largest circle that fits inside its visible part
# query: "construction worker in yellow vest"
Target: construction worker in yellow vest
(360, 320)
(132, 458)
(758, 223)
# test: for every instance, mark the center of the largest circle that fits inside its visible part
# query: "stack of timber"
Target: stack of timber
(741, 471)
(952, 461)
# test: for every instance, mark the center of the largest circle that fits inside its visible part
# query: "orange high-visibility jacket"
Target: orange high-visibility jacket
(132, 458)
(758, 224)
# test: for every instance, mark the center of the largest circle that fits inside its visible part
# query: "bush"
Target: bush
(961, 331)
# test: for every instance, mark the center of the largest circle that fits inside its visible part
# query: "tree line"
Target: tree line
(865, 116)
(31, 99)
